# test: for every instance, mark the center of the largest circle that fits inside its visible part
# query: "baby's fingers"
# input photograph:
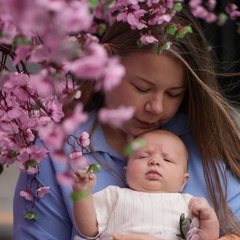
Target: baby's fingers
(80, 175)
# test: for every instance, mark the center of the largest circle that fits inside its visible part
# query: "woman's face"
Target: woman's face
(154, 85)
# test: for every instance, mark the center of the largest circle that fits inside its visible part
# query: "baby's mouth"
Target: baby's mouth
(153, 174)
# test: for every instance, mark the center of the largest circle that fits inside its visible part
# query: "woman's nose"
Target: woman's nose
(155, 104)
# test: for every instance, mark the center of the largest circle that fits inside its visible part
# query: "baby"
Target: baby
(156, 173)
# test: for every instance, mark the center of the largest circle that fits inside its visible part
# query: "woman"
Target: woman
(177, 91)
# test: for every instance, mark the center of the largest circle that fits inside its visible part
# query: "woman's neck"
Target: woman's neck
(116, 138)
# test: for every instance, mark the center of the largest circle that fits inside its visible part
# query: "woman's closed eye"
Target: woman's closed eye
(142, 90)
(175, 95)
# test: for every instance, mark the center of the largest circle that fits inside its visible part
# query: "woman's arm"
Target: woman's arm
(230, 237)
(54, 222)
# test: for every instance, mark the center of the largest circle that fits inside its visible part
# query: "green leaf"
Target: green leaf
(31, 215)
(159, 49)
(76, 195)
(134, 146)
(30, 163)
(25, 41)
(2, 35)
(183, 31)
(177, 6)
(128, 150)
(171, 29)
(35, 217)
(101, 28)
(93, 2)
(12, 154)
(107, 4)
(139, 43)
(93, 168)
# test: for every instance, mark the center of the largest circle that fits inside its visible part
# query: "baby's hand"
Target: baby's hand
(199, 206)
(84, 181)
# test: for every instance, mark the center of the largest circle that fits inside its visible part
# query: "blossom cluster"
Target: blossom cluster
(59, 38)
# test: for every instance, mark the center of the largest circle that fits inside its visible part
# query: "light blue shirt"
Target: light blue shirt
(55, 209)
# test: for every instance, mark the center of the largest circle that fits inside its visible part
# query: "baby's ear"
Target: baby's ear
(125, 170)
(108, 49)
(185, 180)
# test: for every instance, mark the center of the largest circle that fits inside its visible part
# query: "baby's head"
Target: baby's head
(160, 165)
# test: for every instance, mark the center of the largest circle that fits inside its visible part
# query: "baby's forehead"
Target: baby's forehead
(159, 137)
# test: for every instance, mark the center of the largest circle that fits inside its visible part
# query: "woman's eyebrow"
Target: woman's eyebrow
(149, 82)
(144, 80)
(183, 86)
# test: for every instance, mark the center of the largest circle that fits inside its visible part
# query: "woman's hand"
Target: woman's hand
(116, 236)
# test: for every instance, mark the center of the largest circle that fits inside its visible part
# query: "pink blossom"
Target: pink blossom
(28, 135)
(29, 166)
(13, 109)
(9, 127)
(77, 118)
(200, 12)
(26, 15)
(59, 156)
(39, 54)
(18, 85)
(75, 154)
(7, 156)
(148, 38)
(65, 178)
(52, 5)
(84, 139)
(231, 9)
(195, 3)
(22, 52)
(168, 3)
(132, 15)
(90, 66)
(114, 72)
(78, 160)
(25, 149)
(53, 135)
(211, 17)
(6, 141)
(8, 28)
(76, 17)
(211, 4)
(54, 108)
(26, 194)
(45, 81)
(115, 117)
(42, 191)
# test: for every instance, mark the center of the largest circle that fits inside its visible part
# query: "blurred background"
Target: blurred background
(7, 184)
(225, 43)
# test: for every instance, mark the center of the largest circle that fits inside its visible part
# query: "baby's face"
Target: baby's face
(159, 166)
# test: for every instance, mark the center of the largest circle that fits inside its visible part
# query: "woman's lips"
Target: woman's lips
(144, 124)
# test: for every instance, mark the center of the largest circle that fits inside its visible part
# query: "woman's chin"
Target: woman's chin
(135, 132)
